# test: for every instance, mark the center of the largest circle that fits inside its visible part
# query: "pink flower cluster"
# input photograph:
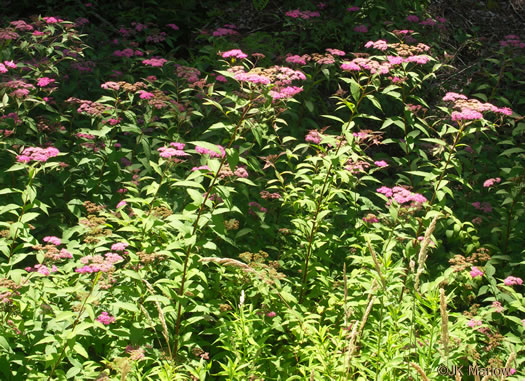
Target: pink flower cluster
(96, 263)
(379, 45)
(6, 34)
(119, 246)
(201, 168)
(7, 65)
(285, 75)
(44, 81)
(485, 207)
(381, 163)
(110, 86)
(474, 323)
(497, 306)
(37, 154)
(21, 25)
(335, 52)
(156, 38)
(41, 269)
(52, 240)
(205, 151)
(155, 62)
(296, 13)
(128, 52)
(472, 109)
(361, 29)
(145, 94)
(475, 272)
(175, 149)
(265, 195)
(358, 64)
(300, 60)
(62, 254)
(313, 136)
(371, 219)
(234, 53)
(512, 281)
(256, 205)
(513, 41)
(52, 20)
(252, 78)
(105, 318)
(190, 74)
(353, 9)
(402, 195)
(356, 167)
(228, 30)
(173, 26)
(490, 182)
(466, 114)
(286, 92)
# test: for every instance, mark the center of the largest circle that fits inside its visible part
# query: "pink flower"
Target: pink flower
(313, 137)
(3, 69)
(286, 92)
(64, 254)
(121, 204)
(490, 182)
(295, 59)
(385, 190)
(37, 154)
(473, 323)
(205, 151)
(202, 167)
(235, 53)
(370, 218)
(241, 172)
(511, 281)
(271, 314)
(110, 86)
(361, 29)
(44, 81)
(350, 66)
(485, 207)
(353, 9)
(10, 64)
(221, 78)
(466, 114)
(167, 152)
(52, 240)
(146, 94)
(421, 59)
(51, 20)
(105, 318)
(120, 246)
(20, 93)
(381, 163)
(173, 26)
(412, 18)
(42, 269)
(475, 272)
(335, 52)
(497, 307)
(379, 45)
(155, 62)
(252, 78)
(219, 32)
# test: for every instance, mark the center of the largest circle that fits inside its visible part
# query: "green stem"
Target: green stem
(195, 227)
(319, 204)
(77, 320)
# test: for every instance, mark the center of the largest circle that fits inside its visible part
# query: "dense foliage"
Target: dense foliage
(250, 192)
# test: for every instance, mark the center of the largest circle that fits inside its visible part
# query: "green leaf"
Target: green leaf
(78, 348)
